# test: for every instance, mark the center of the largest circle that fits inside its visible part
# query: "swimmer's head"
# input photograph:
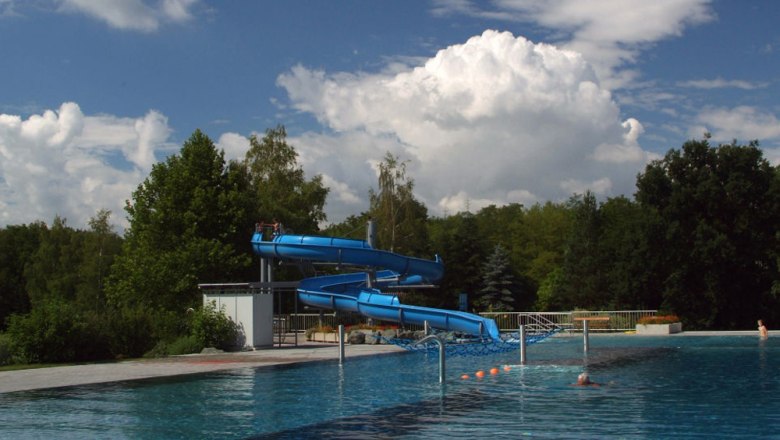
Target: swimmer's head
(583, 379)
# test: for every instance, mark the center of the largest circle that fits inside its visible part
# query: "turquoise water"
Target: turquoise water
(651, 388)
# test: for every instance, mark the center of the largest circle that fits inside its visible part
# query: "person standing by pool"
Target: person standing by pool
(762, 331)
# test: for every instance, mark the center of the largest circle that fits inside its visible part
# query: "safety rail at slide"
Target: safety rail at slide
(352, 292)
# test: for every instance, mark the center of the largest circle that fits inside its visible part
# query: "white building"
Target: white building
(250, 308)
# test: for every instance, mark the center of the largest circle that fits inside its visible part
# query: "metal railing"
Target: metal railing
(619, 320)
(302, 321)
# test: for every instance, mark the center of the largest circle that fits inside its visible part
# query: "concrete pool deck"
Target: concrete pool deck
(87, 374)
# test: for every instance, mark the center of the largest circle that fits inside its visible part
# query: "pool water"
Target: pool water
(650, 388)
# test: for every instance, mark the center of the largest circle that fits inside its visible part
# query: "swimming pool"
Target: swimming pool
(652, 388)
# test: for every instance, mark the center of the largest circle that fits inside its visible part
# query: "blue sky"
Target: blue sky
(490, 102)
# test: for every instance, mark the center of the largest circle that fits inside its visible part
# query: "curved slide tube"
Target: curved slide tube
(350, 292)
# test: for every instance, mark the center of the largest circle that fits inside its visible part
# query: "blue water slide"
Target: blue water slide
(351, 292)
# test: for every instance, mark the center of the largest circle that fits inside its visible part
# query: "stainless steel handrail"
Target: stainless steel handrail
(436, 339)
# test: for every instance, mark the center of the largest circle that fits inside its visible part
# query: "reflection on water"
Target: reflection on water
(662, 387)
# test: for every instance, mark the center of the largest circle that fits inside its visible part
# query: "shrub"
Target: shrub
(159, 350)
(182, 345)
(619, 321)
(169, 325)
(185, 345)
(6, 349)
(658, 319)
(132, 332)
(213, 328)
(56, 331)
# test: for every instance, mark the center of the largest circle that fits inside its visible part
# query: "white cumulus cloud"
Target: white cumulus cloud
(743, 123)
(234, 145)
(135, 15)
(629, 149)
(610, 34)
(62, 162)
(494, 120)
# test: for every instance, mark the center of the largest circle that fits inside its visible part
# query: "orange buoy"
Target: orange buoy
(465, 376)
(480, 373)
(494, 370)
(507, 368)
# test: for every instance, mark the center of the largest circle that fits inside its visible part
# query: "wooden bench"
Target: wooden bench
(594, 322)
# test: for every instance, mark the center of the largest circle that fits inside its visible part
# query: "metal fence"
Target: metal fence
(619, 320)
(302, 321)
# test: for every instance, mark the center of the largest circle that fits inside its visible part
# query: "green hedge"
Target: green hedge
(56, 331)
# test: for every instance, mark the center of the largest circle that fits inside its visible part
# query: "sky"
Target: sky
(487, 102)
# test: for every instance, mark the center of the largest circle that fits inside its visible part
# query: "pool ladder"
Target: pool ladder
(438, 341)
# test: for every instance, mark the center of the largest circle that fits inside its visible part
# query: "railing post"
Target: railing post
(441, 360)
(341, 344)
(522, 344)
(585, 341)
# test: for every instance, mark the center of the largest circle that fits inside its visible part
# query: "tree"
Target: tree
(719, 208)
(456, 239)
(100, 247)
(500, 289)
(53, 269)
(353, 226)
(547, 294)
(401, 219)
(18, 244)
(583, 283)
(278, 184)
(541, 240)
(534, 239)
(186, 219)
(630, 255)
(502, 225)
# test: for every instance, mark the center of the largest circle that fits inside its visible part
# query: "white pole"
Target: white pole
(585, 341)
(371, 240)
(371, 233)
(522, 345)
(341, 344)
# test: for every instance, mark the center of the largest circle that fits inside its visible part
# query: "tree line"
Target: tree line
(699, 239)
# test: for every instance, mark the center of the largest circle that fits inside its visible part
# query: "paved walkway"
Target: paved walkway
(54, 377)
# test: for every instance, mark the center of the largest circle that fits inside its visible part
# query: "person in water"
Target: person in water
(583, 380)
(762, 331)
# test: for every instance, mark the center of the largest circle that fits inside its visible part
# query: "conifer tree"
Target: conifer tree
(499, 283)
